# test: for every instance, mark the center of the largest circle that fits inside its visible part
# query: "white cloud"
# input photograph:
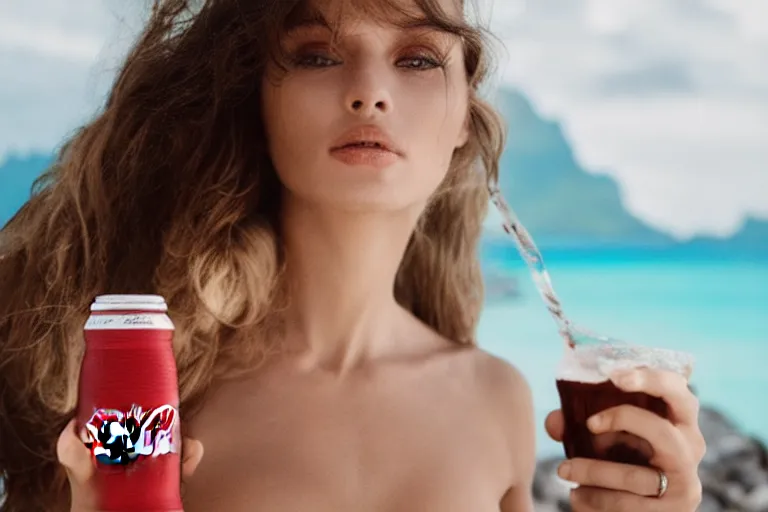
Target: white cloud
(750, 15)
(57, 60)
(668, 96)
(50, 41)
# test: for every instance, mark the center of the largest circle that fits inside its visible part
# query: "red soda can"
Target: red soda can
(128, 404)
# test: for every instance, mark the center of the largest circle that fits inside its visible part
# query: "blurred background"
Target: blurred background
(637, 158)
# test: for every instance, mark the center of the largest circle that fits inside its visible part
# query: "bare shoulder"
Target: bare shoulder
(509, 392)
(503, 402)
(500, 385)
(487, 375)
(512, 404)
(499, 377)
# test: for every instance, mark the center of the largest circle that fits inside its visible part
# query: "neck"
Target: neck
(341, 270)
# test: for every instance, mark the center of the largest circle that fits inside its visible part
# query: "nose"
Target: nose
(368, 107)
(367, 95)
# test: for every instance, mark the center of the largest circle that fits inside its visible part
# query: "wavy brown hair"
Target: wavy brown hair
(170, 190)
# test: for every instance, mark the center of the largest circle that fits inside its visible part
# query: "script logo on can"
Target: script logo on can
(117, 437)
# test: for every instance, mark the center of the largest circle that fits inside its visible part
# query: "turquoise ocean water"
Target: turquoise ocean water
(716, 310)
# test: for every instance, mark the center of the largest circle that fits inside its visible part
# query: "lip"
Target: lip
(363, 134)
(377, 158)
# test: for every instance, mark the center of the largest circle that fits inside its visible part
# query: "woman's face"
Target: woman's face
(378, 85)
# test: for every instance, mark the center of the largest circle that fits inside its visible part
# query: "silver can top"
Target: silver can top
(129, 302)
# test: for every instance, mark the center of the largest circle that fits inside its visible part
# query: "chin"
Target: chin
(381, 199)
(364, 190)
(372, 203)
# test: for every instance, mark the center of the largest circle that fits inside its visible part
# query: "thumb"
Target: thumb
(192, 454)
(555, 424)
(74, 455)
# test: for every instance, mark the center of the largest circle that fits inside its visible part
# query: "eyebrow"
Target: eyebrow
(313, 18)
(307, 18)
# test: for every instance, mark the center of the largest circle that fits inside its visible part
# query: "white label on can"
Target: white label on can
(129, 321)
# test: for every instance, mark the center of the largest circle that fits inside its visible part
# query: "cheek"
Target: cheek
(295, 122)
(279, 123)
(282, 108)
(437, 100)
(437, 121)
(271, 117)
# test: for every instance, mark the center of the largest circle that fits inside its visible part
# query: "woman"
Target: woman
(299, 181)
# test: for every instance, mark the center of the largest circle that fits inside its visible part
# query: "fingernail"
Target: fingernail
(564, 471)
(594, 422)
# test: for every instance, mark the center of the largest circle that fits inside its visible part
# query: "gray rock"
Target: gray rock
(550, 488)
(710, 503)
(545, 507)
(757, 499)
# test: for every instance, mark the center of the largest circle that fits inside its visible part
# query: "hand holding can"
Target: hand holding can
(81, 466)
(127, 417)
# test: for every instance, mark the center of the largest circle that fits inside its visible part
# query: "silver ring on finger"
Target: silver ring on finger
(663, 484)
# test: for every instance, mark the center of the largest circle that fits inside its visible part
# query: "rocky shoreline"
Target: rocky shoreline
(734, 472)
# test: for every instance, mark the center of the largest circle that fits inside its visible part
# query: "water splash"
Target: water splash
(570, 333)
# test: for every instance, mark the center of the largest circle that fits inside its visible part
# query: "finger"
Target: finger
(555, 425)
(593, 499)
(74, 455)
(669, 386)
(192, 454)
(666, 441)
(611, 475)
(602, 443)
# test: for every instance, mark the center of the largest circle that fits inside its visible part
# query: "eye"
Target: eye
(419, 63)
(314, 60)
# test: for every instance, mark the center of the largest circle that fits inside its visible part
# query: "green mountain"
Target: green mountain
(751, 239)
(557, 200)
(753, 233)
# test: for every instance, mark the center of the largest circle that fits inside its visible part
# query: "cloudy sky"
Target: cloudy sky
(670, 97)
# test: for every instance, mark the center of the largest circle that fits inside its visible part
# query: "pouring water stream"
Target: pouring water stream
(571, 334)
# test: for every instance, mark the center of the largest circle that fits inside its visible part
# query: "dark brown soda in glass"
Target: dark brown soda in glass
(580, 400)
